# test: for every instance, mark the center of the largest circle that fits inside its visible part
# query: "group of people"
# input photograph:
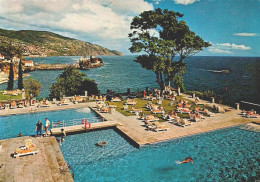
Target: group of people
(39, 127)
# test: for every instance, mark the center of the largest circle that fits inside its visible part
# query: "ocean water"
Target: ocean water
(224, 155)
(121, 72)
(11, 126)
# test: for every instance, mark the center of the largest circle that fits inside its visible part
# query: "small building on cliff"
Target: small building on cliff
(28, 63)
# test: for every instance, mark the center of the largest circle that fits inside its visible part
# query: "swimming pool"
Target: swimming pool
(11, 126)
(225, 155)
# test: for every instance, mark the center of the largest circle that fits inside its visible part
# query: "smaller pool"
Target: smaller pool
(11, 126)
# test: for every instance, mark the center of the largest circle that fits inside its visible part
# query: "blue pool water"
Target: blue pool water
(225, 155)
(11, 126)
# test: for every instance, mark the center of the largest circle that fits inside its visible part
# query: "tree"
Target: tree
(162, 37)
(32, 87)
(10, 84)
(90, 86)
(20, 75)
(72, 82)
(20, 69)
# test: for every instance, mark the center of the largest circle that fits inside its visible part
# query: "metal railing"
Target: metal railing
(74, 122)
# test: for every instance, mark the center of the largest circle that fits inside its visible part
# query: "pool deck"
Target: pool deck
(49, 162)
(136, 131)
(53, 107)
(47, 165)
(81, 128)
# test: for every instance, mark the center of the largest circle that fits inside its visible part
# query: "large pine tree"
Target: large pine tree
(11, 78)
(20, 76)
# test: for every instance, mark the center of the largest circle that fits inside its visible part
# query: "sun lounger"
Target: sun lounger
(115, 99)
(161, 128)
(13, 105)
(27, 149)
(252, 115)
(27, 153)
(183, 110)
(44, 104)
(64, 102)
(158, 111)
(133, 110)
(173, 118)
(77, 99)
(151, 118)
(153, 125)
(20, 105)
(183, 123)
(130, 102)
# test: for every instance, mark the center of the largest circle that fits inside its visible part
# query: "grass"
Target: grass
(141, 103)
(9, 97)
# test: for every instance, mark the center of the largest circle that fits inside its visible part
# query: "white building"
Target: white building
(28, 63)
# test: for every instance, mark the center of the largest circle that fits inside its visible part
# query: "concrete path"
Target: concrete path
(53, 107)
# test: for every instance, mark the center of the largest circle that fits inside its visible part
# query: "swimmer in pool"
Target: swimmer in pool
(186, 160)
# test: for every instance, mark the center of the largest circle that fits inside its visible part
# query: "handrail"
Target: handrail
(250, 103)
(73, 122)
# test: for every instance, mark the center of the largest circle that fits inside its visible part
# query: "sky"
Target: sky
(231, 26)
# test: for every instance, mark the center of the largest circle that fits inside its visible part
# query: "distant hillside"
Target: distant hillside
(43, 43)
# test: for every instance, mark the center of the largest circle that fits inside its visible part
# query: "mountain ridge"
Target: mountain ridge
(36, 43)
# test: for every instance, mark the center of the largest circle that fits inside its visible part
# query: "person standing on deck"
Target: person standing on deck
(47, 124)
(39, 128)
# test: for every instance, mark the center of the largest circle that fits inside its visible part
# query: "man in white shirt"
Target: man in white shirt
(47, 124)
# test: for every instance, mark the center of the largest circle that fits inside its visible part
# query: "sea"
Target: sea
(240, 85)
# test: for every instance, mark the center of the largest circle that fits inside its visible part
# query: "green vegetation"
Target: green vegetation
(8, 50)
(174, 39)
(40, 43)
(72, 82)
(9, 97)
(10, 84)
(32, 87)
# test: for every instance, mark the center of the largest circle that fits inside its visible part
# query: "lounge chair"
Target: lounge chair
(158, 111)
(161, 128)
(130, 102)
(115, 99)
(183, 110)
(105, 110)
(151, 118)
(77, 99)
(173, 118)
(195, 117)
(153, 125)
(20, 105)
(133, 110)
(183, 122)
(208, 113)
(252, 115)
(13, 105)
(44, 103)
(64, 102)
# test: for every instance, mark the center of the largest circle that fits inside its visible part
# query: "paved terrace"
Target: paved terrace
(136, 131)
(45, 166)
(53, 107)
